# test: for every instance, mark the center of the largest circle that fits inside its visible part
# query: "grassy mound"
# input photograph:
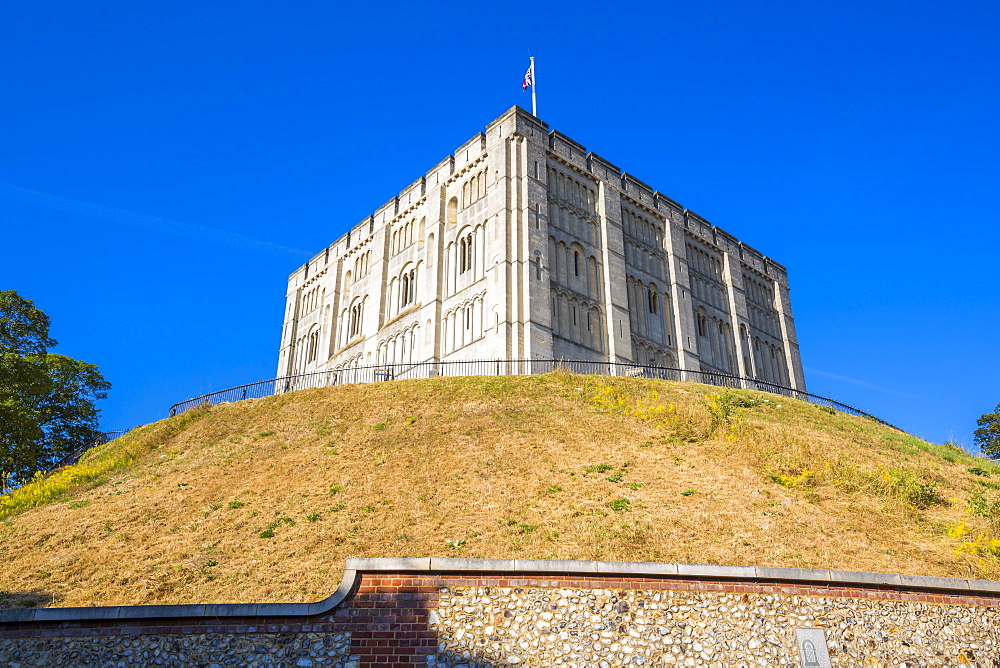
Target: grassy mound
(262, 500)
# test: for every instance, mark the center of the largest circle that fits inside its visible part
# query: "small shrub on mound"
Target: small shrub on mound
(802, 479)
(985, 506)
(44, 488)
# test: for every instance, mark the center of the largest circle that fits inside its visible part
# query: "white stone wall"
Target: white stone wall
(522, 244)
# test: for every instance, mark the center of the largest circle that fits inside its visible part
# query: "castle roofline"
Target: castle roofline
(521, 113)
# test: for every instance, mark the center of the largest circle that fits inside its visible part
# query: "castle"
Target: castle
(523, 245)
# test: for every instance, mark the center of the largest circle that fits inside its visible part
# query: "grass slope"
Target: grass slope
(262, 500)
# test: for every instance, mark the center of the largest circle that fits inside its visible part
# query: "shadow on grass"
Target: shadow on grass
(35, 598)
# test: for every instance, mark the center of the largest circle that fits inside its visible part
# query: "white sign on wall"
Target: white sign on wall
(812, 648)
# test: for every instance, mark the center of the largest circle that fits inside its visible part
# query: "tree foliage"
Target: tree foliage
(988, 435)
(46, 400)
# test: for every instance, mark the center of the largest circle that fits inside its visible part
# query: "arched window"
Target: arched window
(408, 288)
(354, 328)
(465, 254)
(312, 346)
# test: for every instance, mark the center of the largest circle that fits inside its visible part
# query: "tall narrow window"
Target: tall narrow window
(313, 341)
(465, 254)
(355, 324)
(652, 297)
(576, 263)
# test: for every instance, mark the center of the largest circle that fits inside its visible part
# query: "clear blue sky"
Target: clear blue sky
(165, 166)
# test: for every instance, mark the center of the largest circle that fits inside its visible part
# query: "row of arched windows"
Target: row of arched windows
(709, 292)
(715, 340)
(578, 320)
(650, 310)
(705, 273)
(462, 324)
(351, 321)
(640, 257)
(648, 354)
(757, 291)
(568, 220)
(763, 359)
(400, 348)
(347, 367)
(402, 235)
(570, 265)
(474, 189)
(760, 305)
(766, 320)
(641, 228)
(402, 291)
(703, 262)
(306, 350)
(464, 259)
(572, 190)
(362, 265)
(313, 298)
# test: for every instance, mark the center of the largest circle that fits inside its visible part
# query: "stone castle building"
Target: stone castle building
(523, 245)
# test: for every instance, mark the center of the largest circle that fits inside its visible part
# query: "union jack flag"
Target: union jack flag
(529, 80)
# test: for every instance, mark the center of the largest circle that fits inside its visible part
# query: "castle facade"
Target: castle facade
(523, 245)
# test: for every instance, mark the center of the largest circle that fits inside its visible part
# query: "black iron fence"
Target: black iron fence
(383, 372)
(74, 456)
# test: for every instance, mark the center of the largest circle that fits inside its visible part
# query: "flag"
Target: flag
(529, 79)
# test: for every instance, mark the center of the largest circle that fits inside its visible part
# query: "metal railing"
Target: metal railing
(384, 372)
(74, 456)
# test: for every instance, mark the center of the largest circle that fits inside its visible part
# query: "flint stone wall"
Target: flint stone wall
(479, 613)
(196, 649)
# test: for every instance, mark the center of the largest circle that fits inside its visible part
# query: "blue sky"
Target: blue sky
(165, 166)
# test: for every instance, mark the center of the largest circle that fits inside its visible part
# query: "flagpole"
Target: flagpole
(534, 84)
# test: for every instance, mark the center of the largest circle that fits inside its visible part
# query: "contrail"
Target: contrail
(862, 383)
(135, 219)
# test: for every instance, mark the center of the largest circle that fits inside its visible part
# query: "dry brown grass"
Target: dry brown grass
(492, 467)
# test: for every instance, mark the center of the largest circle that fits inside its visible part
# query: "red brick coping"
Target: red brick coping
(554, 573)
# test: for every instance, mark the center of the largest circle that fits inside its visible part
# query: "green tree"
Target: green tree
(46, 400)
(988, 434)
